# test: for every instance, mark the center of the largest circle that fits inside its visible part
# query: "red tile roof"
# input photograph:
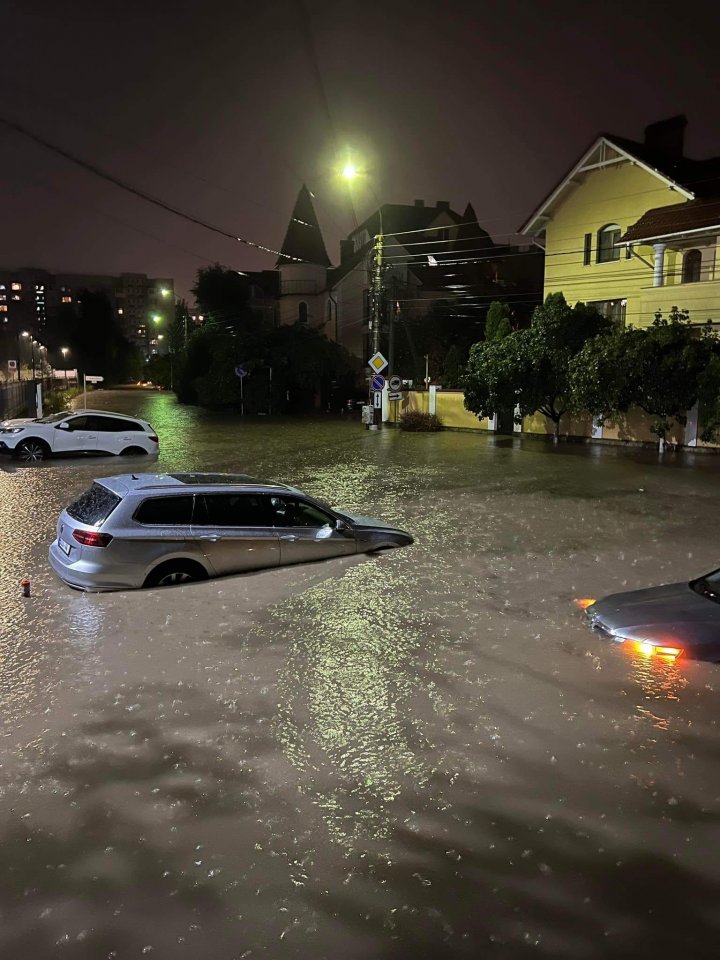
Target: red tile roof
(678, 218)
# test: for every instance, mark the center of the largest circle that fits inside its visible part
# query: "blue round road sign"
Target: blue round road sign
(378, 382)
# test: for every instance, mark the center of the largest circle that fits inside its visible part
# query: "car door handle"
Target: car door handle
(288, 536)
(209, 539)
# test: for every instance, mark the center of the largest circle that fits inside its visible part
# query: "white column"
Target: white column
(517, 427)
(492, 422)
(691, 427)
(597, 430)
(659, 271)
(385, 415)
(432, 399)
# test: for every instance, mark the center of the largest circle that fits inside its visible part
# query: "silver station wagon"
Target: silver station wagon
(150, 530)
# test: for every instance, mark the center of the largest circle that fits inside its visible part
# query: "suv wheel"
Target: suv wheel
(174, 572)
(31, 451)
(133, 452)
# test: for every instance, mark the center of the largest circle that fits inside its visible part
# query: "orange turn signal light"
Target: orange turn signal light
(585, 602)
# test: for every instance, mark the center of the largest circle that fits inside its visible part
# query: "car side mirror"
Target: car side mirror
(342, 526)
(63, 426)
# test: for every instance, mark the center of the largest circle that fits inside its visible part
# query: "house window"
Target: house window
(614, 310)
(587, 254)
(16, 286)
(692, 262)
(303, 312)
(607, 243)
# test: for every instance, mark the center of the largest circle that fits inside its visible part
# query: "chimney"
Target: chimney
(419, 203)
(667, 137)
(346, 250)
(442, 204)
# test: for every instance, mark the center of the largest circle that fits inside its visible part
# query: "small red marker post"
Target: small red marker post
(25, 584)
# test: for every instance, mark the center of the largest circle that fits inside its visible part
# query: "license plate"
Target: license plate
(65, 547)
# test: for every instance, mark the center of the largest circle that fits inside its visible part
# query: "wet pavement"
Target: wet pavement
(419, 754)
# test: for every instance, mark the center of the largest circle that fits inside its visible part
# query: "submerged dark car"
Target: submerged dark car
(673, 620)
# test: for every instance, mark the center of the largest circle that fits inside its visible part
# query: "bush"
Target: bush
(55, 401)
(419, 422)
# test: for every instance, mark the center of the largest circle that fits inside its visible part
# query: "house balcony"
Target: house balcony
(701, 299)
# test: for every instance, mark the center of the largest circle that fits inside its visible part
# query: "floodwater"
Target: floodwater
(419, 754)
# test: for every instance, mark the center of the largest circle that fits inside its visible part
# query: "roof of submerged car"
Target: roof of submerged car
(133, 482)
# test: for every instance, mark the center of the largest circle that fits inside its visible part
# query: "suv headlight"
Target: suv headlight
(13, 429)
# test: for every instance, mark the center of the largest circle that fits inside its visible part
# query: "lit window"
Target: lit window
(2, 286)
(16, 286)
(607, 245)
(692, 263)
(3, 296)
(39, 286)
(120, 311)
(16, 296)
(67, 299)
(3, 308)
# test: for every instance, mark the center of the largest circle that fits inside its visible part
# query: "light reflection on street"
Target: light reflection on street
(415, 754)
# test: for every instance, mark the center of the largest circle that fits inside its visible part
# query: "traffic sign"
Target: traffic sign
(12, 364)
(94, 379)
(377, 362)
(377, 399)
(378, 382)
(240, 372)
(395, 383)
(394, 396)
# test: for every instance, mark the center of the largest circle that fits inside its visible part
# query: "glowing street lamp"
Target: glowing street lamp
(65, 351)
(349, 171)
(164, 292)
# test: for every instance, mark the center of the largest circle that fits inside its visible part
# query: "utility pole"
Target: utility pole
(377, 288)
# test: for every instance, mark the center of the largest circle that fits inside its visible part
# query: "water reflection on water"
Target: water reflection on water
(424, 753)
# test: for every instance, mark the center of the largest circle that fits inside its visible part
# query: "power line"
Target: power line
(110, 178)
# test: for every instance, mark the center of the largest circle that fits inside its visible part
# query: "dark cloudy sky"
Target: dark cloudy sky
(225, 108)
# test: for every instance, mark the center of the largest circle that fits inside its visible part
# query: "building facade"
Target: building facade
(31, 299)
(430, 253)
(632, 228)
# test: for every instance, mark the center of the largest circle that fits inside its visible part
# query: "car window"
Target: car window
(113, 424)
(231, 510)
(288, 512)
(79, 423)
(53, 417)
(165, 511)
(94, 506)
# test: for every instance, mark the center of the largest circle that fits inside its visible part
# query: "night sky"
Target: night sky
(224, 109)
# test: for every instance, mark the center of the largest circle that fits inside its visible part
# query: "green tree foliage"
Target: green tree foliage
(452, 369)
(223, 296)
(497, 322)
(664, 369)
(97, 344)
(530, 368)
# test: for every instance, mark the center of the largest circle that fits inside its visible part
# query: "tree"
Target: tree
(452, 368)
(95, 338)
(223, 296)
(497, 322)
(664, 369)
(530, 368)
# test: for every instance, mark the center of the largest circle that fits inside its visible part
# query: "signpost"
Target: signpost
(394, 396)
(378, 382)
(241, 372)
(395, 383)
(88, 378)
(377, 362)
(377, 399)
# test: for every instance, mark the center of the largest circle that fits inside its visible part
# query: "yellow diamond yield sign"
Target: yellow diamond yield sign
(377, 362)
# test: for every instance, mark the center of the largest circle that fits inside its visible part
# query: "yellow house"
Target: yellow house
(633, 228)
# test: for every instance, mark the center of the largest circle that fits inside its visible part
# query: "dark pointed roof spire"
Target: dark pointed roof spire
(303, 240)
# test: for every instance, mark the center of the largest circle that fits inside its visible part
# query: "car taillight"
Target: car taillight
(91, 538)
(153, 438)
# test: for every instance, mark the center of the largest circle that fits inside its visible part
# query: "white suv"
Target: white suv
(78, 431)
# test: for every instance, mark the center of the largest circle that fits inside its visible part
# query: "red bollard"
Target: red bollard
(25, 584)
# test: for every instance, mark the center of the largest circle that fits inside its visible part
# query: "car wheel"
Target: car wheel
(32, 451)
(133, 452)
(174, 572)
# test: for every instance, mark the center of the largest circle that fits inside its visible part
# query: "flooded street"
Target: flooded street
(425, 753)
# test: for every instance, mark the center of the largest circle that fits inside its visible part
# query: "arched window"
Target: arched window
(302, 312)
(692, 262)
(607, 243)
